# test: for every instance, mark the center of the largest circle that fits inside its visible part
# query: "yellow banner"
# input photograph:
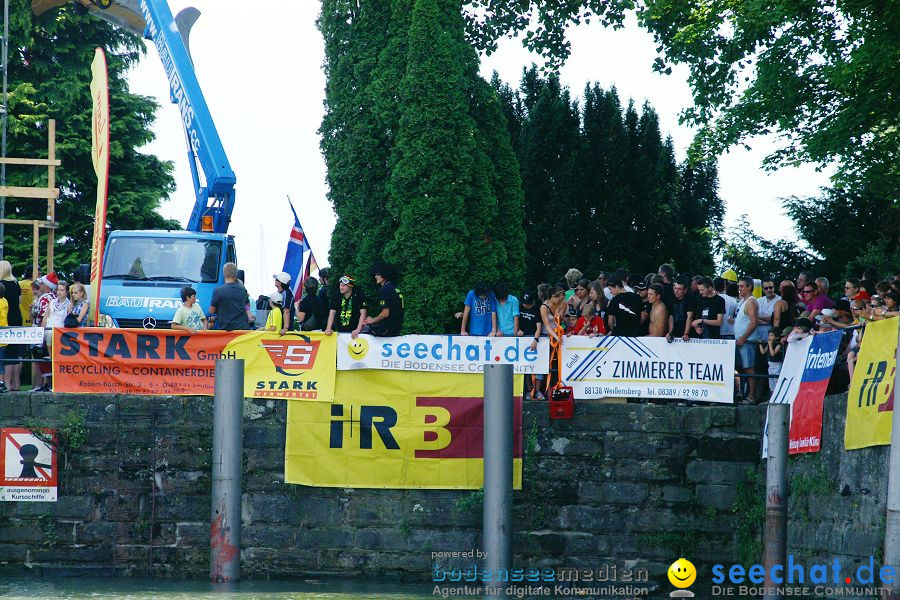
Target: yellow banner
(100, 159)
(870, 402)
(293, 366)
(395, 429)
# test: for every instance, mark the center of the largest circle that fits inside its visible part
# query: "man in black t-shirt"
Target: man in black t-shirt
(712, 311)
(529, 317)
(389, 320)
(683, 310)
(347, 309)
(624, 312)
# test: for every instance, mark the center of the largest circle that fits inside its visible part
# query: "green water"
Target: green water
(142, 589)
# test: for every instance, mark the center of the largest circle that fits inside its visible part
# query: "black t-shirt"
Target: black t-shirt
(646, 307)
(309, 306)
(528, 319)
(346, 315)
(626, 308)
(324, 304)
(711, 308)
(391, 299)
(288, 296)
(231, 300)
(12, 291)
(668, 296)
(679, 311)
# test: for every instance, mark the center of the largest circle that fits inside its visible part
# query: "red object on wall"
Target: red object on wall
(562, 402)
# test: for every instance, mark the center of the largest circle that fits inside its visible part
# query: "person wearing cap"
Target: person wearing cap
(389, 320)
(275, 322)
(529, 317)
(842, 317)
(189, 316)
(347, 312)
(571, 321)
(282, 286)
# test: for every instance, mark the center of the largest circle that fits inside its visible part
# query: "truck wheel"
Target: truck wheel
(104, 4)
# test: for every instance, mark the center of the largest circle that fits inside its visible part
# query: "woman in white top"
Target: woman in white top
(56, 312)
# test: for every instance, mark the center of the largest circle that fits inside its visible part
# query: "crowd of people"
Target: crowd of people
(763, 315)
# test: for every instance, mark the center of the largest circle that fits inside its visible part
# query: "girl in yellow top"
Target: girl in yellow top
(274, 322)
(4, 322)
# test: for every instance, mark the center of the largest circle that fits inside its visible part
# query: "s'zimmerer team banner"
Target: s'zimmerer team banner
(160, 362)
(870, 400)
(395, 429)
(623, 367)
(802, 384)
(442, 353)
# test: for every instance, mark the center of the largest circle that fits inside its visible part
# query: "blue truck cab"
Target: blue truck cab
(144, 271)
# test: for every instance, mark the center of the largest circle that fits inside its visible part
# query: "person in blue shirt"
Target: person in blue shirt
(480, 312)
(507, 307)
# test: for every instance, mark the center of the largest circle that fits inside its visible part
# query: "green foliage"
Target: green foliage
(49, 77)
(71, 433)
(473, 501)
(682, 543)
(48, 527)
(821, 75)
(816, 483)
(750, 508)
(421, 171)
(749, 253)
(602, 187)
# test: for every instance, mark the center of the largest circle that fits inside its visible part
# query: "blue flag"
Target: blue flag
(296, 249)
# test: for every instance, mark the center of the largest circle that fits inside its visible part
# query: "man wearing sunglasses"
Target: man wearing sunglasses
(768, 305)
(815, 302)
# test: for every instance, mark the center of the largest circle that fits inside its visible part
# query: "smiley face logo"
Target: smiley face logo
(358, 348)
(682, 573)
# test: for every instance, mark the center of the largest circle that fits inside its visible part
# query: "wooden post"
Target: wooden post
(35, 251)
(51, 200)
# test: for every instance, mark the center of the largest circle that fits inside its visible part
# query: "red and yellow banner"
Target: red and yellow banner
(870, 399)
(100, 159)
(169, 362)
(395, 429)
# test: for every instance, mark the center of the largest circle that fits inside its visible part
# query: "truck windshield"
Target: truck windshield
(163, 259)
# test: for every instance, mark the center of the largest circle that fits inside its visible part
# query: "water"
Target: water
(164, 589)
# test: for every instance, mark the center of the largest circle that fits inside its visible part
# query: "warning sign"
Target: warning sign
(29, 465)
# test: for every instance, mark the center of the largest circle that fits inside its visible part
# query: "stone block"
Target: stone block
(269, 536)
(740, 449)
(13, 553)
(581, 518)
(94, 532)
(718, 496)
(750, 419)
(676, 494)
(21, 532)
(325, 537)
(312, 511)
(182, 507)
(633, 469)
(192, 535)
(612, 493)
(381, 540)
(714, 471)
(263, 435)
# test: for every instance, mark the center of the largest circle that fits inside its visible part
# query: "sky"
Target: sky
(261, 74)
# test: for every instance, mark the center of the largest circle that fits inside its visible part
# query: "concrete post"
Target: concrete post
(775, 539)
(892, 527)
(498, 469)
(228, 445)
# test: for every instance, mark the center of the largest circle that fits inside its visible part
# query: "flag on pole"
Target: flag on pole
(297, 247)
(311, 267)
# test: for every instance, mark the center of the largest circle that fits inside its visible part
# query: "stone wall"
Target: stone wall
(838, 498)
(635, 485)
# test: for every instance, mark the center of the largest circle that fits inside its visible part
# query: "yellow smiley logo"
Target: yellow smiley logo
(682, 573)
(358, 348)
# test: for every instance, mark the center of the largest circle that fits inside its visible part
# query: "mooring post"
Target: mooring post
(891, 591)
(227, 448)
(498, 470)
(776, 496)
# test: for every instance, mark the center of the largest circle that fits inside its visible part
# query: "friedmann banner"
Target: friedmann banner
(395, 429)
(870, 400)
(802, 383)
(442, 353)
(171, 362)
(609, 366)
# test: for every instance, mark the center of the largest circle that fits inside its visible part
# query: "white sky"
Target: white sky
(261, 74)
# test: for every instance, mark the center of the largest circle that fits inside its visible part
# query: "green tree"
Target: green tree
(355, 142)
(49, 75)
(821, 75)
(751, 254)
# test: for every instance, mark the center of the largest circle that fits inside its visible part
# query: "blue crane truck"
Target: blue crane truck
(144, 271)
